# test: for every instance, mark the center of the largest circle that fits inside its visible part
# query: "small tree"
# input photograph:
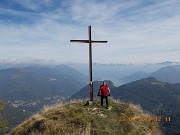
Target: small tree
(3, 122)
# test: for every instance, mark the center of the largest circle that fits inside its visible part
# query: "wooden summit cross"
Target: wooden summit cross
(90, 58)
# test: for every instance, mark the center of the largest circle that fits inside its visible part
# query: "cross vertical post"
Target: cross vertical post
(90, 65)
(90, 58)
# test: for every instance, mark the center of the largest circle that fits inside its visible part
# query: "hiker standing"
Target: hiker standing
(104, 92)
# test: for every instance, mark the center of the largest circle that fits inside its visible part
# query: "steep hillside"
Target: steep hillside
(75, 118)
(148, 92)
(160, 98)
(170, 74)
(3, 122)
(36, 82)
(84, 92)
(27, 89)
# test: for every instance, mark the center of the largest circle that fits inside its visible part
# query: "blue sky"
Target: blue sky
(138, 31)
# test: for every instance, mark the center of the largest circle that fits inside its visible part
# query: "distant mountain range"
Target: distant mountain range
(159, 98)
(27, 89)
(38, 82)
(122, 73)
(118, 73)
(170, 74)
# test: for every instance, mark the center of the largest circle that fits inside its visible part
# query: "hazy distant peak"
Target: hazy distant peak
(166, 63)
(169, 74)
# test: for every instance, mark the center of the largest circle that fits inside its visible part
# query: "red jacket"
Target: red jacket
(104, 90)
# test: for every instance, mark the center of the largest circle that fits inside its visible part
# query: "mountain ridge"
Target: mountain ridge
(169, 74)
(25, 90)
(43, 81)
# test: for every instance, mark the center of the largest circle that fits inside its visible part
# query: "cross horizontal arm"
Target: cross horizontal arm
(98, 41)
(81, 41)
(87, 41)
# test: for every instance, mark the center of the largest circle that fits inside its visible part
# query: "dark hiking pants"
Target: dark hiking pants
(106, 97)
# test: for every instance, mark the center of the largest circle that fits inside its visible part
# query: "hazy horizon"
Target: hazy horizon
(54, 62)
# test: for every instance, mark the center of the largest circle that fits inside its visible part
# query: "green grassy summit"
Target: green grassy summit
(76, 119)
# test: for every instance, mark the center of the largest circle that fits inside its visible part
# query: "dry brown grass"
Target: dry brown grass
(76, 119)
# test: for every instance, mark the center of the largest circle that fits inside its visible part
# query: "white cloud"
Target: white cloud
(136, 31)
(33, 5)
(92, 11)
